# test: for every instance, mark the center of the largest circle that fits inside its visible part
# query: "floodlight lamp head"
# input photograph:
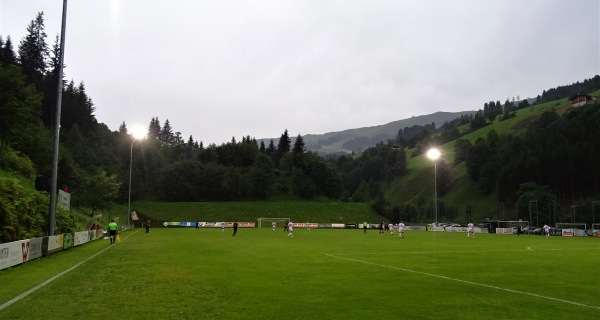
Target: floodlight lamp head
(138, 132)
(433, 154)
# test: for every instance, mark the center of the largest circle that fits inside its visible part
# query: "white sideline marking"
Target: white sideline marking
(467, 282)
(43, 284)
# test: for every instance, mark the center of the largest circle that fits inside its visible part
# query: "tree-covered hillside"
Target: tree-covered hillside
(503, 155)
(542, 159)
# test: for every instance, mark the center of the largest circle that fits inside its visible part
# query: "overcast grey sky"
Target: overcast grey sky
(219, 69)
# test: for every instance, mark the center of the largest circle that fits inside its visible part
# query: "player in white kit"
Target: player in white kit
(547, 230)
(274, 225)
(470, 230)
(291, 229)
(401, 227)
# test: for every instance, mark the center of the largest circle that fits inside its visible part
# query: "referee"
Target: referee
(112, 231)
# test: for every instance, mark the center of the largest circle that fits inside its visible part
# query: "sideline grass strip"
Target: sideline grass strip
(41, 285)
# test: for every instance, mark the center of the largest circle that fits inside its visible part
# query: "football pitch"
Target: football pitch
(319, 274)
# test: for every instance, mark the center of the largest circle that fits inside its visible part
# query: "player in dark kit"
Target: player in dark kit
(235, 225)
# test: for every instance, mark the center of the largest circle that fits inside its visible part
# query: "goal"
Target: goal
(573, 229)
(267, 222)
(511, 227)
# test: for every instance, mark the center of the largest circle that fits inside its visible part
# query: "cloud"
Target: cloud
(237, 68)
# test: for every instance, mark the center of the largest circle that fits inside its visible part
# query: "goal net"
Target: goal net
(572, 229)
(268, 222)
(511, 227)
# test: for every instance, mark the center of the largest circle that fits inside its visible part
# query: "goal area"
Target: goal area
(573, 229)
(264, 222)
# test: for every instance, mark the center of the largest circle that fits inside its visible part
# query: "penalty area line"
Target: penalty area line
(467, 282)
(43, 284)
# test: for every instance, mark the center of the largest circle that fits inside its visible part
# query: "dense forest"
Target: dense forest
(557, 152)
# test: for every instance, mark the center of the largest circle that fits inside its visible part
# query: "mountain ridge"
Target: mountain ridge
(366, 137)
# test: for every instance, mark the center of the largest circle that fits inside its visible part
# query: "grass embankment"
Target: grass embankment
(299, 211)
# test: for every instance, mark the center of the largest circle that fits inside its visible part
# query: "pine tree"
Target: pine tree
(262, 148)
(78, 108)
(34, 58)
(154, 129)
(50, 86)
(7, 54)
(299, 146)
(123, 128)
(178, 140)
(191, 147)
(284, 144)
(166, 134)
(33, 51)
(283, 147)
(271, 148)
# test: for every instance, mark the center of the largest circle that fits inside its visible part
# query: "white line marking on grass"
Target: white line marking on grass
(43, 284)
(450, 251)
(467, 282)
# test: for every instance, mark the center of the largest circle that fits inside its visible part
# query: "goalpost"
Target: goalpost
(573, 229)
(269, 221)
(511, 227)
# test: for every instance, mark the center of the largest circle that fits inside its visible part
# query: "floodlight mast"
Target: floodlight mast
(137, 134)
(54, 179)
(434, 154)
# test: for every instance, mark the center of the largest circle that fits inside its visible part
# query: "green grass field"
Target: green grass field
(319, 274)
